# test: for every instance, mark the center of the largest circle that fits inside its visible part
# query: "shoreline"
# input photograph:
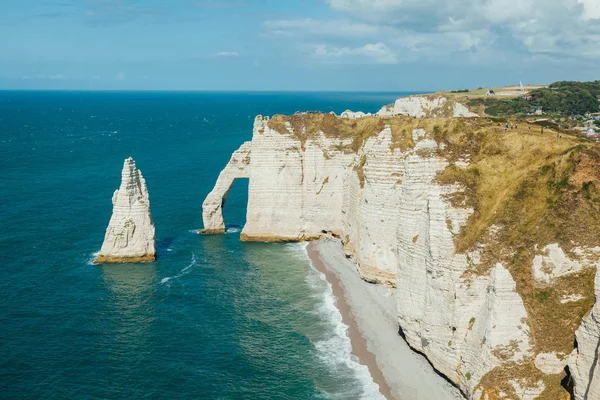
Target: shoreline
(359, 343)
(369, 311)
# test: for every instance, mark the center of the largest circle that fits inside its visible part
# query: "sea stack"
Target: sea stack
(130, 235)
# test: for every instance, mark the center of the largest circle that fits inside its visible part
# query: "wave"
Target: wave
(181, 273)
(93, 258)
(232, 230)
(336, 349)
(196, 231)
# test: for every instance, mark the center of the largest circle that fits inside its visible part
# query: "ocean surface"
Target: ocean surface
(212, 318)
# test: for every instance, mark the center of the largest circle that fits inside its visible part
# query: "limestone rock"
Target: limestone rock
(130, 236)
(370, 207)
(237, 168)
(584, 361)
(460, 110)
(553, 263)
(386, 111)
(550, 363)
(418, 106)
(526, 391)
(421, 106)
(354, 115)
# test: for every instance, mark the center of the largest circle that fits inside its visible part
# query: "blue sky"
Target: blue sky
(295, 44)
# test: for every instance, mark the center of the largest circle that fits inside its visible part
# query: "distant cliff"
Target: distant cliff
(490, 238)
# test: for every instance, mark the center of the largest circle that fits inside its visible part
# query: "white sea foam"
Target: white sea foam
(93, 257)
(335, 350)
(196, 231)
(233, 230)
(181, 273)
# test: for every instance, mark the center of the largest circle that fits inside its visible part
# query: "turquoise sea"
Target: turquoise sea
(212, 318)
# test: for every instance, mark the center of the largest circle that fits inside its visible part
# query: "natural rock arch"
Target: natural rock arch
(212, 208)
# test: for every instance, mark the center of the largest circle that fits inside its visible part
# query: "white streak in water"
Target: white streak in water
(181, 273)
(93, 258)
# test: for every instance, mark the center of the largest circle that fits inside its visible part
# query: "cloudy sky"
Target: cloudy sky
(296, 44)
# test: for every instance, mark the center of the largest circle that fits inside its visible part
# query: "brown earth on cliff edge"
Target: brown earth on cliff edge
(535, 190)
(356, 131)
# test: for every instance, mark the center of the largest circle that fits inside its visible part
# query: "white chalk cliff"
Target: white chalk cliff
(426, 106)
(354, 115)
(399, 227)
(585, 359)
(130, 236)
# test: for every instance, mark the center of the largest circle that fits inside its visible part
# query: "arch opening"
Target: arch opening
(235, 205)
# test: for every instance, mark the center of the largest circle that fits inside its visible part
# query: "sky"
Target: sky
(340, 45)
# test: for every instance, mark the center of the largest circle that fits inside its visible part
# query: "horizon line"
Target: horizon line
(217, 90)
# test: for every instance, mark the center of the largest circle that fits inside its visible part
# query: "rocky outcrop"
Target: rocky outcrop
(130, 236)
(380, 191)
(553, 263)
(421, 106)
(354, 115)
(460, 110)
(584, 363)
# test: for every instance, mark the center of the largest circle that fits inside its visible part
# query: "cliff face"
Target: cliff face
(296, 187)
(432, 106)
(488, 238)
(130, 236)
(584, 362)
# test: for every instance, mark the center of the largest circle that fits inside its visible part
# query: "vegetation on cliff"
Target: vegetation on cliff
(564, 98)
(351, 132)
(533, 190)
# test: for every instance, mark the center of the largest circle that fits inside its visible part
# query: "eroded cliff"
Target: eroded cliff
(489, 238)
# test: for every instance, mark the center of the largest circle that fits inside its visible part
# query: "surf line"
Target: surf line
(181, 273)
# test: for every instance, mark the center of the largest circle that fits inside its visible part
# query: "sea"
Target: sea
(213, 317)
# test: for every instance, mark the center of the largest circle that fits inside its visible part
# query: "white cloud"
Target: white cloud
(227, 54)
(120, 76)
(591, 9)
(557, 28)
(377, 53)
